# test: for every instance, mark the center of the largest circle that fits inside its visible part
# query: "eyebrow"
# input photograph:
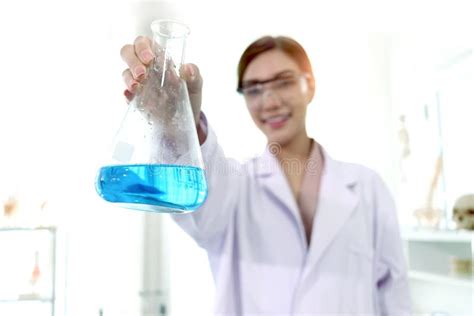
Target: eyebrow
(283, 74)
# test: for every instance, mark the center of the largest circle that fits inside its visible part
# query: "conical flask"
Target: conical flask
(156, 160)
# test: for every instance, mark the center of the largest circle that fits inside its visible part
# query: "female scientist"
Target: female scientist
(293, 232)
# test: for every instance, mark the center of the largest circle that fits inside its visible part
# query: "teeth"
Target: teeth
(276, 119)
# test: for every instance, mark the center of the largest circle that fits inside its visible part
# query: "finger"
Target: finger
(193, 78)
(143, 49)
(136, 66)
(190, 73)
(128, 95)
(130, 82)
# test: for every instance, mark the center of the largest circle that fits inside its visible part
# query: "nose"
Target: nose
(270, 100)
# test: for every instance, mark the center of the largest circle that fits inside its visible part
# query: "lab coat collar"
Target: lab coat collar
(276, 185)
(267, 164)
(336, 200)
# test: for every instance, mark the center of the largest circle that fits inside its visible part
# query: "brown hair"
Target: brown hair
(287, 45)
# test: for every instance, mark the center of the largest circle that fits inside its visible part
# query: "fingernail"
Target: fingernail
(191, 72)
(127, 94)
(147, 56)
(139, 71)
(134, 86)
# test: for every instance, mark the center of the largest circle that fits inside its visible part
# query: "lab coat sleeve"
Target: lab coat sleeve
(208, 224)
(393, 293)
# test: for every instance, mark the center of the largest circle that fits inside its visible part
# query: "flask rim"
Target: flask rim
(178, 29)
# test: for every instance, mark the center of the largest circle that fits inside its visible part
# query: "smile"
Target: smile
(277, 121)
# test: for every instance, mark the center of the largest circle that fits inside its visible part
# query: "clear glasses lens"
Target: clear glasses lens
(279, 85)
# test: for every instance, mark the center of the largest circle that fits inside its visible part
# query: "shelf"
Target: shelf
(22, 243)
(442, 279)
(26, 299)
(461, 236)
(7, 228)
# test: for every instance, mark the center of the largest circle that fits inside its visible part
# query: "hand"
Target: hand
(139, 55)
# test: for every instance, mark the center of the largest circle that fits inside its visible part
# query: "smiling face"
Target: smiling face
(278, 107)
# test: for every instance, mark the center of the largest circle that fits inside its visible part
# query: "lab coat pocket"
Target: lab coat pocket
(361, 263)
(360, 278)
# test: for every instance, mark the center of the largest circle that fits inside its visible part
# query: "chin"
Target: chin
(279, 137)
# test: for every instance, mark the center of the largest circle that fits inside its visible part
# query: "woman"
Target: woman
(293, 231)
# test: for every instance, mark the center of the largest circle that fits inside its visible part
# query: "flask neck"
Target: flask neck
(169, 43)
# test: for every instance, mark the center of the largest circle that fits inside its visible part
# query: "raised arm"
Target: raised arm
(208, 224)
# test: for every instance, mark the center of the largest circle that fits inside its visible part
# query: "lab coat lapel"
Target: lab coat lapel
(276, 185)
(336, 203)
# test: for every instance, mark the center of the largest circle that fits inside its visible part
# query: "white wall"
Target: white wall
(60, 103)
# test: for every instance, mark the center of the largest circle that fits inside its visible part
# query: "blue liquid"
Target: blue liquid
(159, 188)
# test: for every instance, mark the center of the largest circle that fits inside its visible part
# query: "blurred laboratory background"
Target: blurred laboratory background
(395, 92)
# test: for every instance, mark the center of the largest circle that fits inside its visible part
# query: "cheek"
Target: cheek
(255, 117)
(298, 120)
(298, 108)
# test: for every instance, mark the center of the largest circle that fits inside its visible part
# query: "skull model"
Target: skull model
(463, 212)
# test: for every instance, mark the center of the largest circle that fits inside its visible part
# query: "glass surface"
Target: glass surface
(179, 187)
(156, 160)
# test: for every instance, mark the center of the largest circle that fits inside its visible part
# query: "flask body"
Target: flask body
(156, 160)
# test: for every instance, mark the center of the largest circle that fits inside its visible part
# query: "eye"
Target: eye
(252, 91)
(284, 83)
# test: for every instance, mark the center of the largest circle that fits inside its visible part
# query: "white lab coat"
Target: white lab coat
(254, 236)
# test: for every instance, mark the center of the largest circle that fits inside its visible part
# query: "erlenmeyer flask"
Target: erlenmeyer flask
(156, 161)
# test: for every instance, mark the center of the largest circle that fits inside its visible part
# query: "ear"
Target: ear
(311, 88)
